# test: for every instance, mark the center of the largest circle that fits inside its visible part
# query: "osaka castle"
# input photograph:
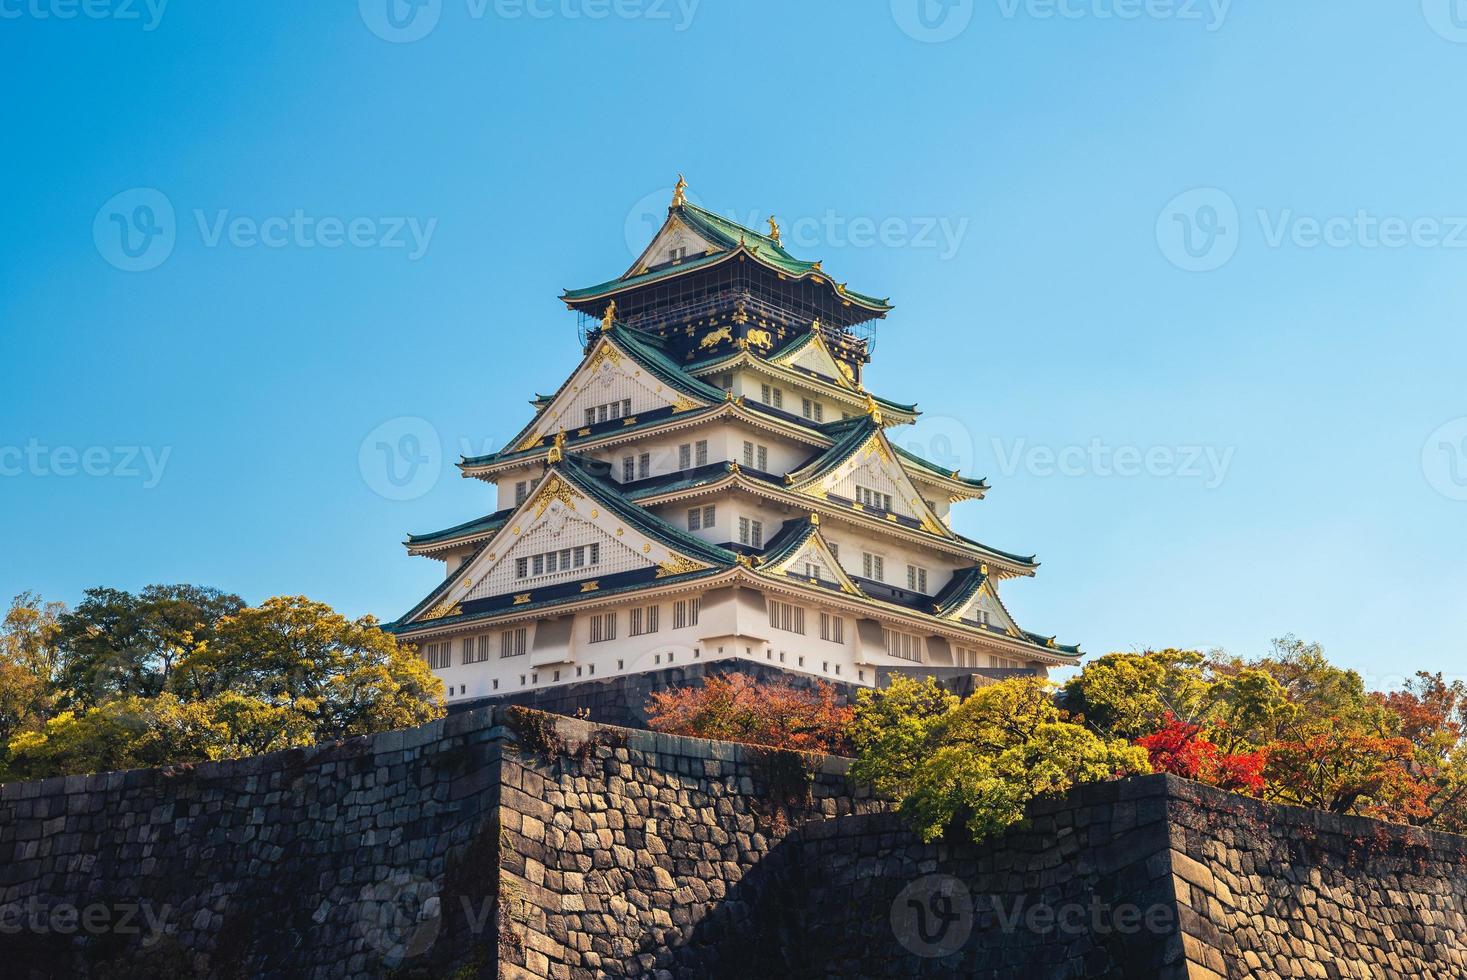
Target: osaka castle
(715, 483)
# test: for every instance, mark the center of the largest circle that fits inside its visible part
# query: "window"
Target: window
(756, 457)
(685, 613)
(812, 410)
(700, 452)
(603, 627)
(677, 254)
(834, 550)
(512, 643)
(643, 621)
(873, 566)
(475, 649)
(550, 562)
(916, 578)
(701, 518)
(684, 456)
(906, 646)
(832, 628)
(521, 491)
(611, 410)
(771, 396)
(812, 570)
(980, 617)
(786, 616)
(439, 655)
(644, 466)
(751, 532)
(628, 469)
(873, 499)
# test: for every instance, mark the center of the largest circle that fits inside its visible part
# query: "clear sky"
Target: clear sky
(1184, 279)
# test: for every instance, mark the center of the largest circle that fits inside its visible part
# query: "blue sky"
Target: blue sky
(1183, 280)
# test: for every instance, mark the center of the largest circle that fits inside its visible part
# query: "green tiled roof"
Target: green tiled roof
(647, 352)
(946, 474)
(848, 435)
(489, 522)
(960, 590)
(726, 235)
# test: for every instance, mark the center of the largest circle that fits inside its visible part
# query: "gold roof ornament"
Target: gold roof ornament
(557, 450)
(872, 409)
(814, 518)
(680, 192)
(609, 316)
(774, 230)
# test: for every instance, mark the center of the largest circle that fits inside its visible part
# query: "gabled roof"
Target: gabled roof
(959, 591)
(794, 537)
(481, 525)
(564, 480)
(941, 473)
(645, 351)
(728, 239)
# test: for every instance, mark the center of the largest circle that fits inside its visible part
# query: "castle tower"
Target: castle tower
(714, 483)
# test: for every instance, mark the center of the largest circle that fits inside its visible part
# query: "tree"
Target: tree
(117, 644)
(1126, 695)
(330, 676)
(287, 673)
(1432, 715)
(1179, 748)
(737, 709)
(28, 661)
(980, 761)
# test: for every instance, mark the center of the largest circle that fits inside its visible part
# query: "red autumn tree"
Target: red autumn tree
(1180, 749)
(737, 709)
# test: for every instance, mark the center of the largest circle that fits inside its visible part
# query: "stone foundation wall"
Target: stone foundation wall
(503, 843)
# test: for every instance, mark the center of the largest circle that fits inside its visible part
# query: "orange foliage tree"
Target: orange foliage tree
(737, 709)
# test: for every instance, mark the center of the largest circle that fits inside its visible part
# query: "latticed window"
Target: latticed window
(439, 655)
(873, 499)
(685, 456)
(628, 469)
(700, 452)
(873, 566)
(521, 491)
(832, 628)
(685, 613)
(561, 560)
(644, 466)
(603, 627)
(512, 643)
(751, 532)
(907, 646)
(643, 621)
(917, 578)
(475, 649)
(786, 616)
(700, 518)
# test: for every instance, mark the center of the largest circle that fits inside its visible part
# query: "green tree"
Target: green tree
(332, 676)
(979, 762)
(1129, 695)
(28, 663)
(117, 644)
